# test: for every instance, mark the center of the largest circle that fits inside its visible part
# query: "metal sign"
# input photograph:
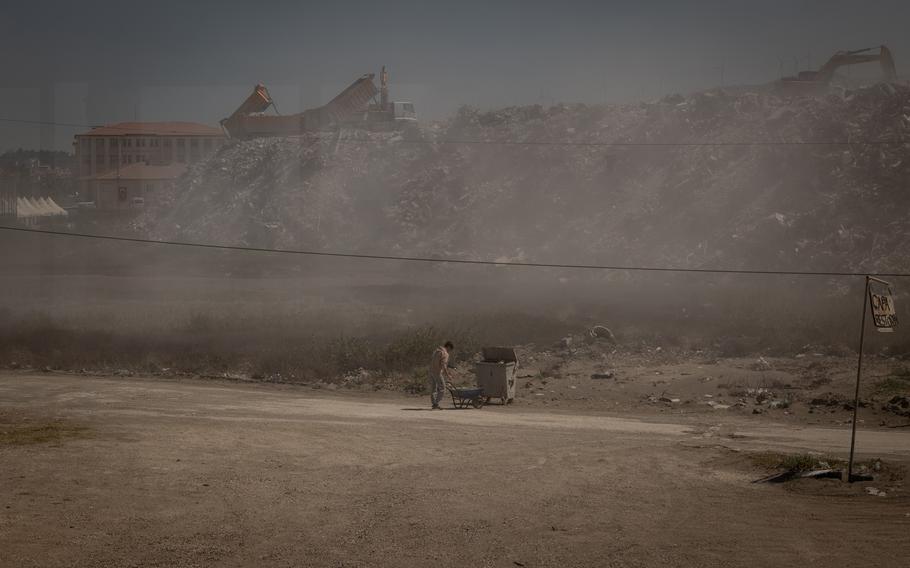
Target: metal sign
(883, 314)
(885, 320)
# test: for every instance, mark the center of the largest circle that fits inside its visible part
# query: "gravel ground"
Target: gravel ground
(189, 473)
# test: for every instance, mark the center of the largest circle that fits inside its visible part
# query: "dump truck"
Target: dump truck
(356, 106)
(820, 80)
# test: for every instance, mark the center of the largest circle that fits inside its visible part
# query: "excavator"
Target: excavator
(814, 81)
(356, 106)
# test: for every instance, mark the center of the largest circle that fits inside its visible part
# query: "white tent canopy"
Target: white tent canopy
(30, 207)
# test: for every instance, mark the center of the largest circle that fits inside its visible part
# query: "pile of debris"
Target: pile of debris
(899, 405)
(713, 179)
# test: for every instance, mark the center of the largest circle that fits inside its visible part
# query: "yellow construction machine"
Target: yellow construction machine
(820, 80)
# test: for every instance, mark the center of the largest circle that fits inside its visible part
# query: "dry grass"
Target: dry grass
(793, 462)
(297, 327)
(897, 383)
(774, 461)
(288, 348)
(28, 434)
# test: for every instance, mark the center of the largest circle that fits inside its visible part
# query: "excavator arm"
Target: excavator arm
(844, 58)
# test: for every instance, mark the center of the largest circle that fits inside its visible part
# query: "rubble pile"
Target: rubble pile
(697, 181)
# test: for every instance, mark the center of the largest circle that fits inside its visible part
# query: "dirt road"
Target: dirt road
(170, 473)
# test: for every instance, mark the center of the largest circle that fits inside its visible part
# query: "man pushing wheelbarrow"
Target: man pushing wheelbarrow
(440, 373)
(441, 380)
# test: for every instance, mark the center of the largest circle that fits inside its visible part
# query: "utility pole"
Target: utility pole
(859, 371)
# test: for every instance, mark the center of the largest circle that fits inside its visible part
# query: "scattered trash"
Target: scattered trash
(899, 405)
(823, 474)
(761, 395)
(876, 492)
(860, 477)
(605, 375)
(602, 332)
(782, 476)
(778, 477)
(828, 399)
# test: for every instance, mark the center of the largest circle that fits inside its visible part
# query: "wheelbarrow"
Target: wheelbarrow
(463, 397)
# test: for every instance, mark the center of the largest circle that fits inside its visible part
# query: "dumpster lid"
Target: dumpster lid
(495, 354)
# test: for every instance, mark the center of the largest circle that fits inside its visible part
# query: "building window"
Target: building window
(112, 142)
(194, 143)
(207, 144)
(167, 142)
(181, 143)
(128, 142)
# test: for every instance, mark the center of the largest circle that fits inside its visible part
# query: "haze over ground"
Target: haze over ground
(100, 61)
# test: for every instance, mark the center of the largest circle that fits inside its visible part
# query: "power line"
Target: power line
(459, 261)
(566, 143)
(650, 144)
(138, 131)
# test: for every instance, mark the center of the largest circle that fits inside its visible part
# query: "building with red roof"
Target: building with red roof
(105, 151)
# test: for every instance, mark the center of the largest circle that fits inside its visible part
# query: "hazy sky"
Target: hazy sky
(101, 61)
